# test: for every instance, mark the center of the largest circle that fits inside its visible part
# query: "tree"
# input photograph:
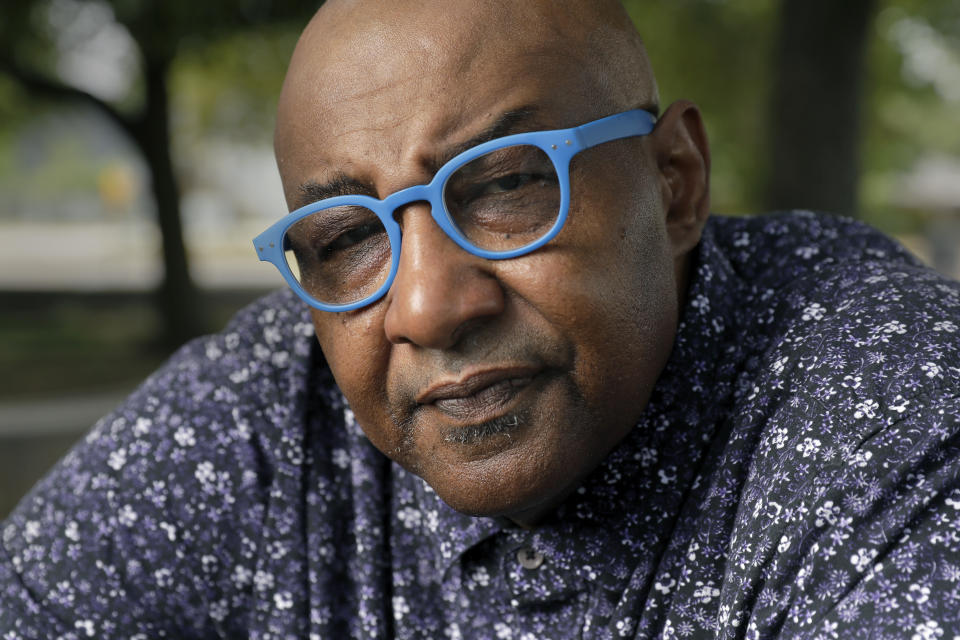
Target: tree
(161, 30)
(789, 89)
(814, 150)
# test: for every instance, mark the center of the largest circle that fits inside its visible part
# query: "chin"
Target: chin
(511, 484)
(519, 461)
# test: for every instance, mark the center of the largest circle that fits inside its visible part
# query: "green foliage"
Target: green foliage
(14, 109)
(229, 86)
(228, 63)
(66, 168)
(236, 40)
(162, 27)
(719, 53)
(229, 59)
(906, 119)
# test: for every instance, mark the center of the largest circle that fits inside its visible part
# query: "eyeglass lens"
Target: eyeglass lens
(500, 201)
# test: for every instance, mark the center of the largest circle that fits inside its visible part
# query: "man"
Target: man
(602, 415)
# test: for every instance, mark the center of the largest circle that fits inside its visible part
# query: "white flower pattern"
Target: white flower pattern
(794, 474)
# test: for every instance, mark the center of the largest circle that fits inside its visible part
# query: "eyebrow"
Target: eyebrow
(513, 121)
(341, 184)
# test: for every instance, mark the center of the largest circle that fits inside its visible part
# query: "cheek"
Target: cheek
(614, 293)
(611, 268)
(358, 355)
(631, 248)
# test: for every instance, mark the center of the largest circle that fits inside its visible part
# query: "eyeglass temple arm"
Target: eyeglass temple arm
(622, 125)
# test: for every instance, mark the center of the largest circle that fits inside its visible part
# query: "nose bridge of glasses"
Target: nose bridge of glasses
(417, 193)
(429, 194)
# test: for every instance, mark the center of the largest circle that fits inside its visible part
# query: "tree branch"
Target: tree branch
(44, 86)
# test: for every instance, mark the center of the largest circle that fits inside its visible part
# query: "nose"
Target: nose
(440, 290)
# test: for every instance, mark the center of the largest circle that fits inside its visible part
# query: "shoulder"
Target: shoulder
(833, 291)
(847, 308)
(778, 248)
(233, 403)
(858, 334)
(224, 382)
(181, 475)
(853, 406)
(840, 304)
(220, 409)
(265, 338)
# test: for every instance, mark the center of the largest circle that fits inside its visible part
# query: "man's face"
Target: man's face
(501, 383)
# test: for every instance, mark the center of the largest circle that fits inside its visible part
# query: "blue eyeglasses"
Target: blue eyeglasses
(501, 199)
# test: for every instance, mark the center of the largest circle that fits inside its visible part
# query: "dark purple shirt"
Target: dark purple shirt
(796, 473)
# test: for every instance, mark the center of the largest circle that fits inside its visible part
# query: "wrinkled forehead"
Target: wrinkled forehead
(373, 83)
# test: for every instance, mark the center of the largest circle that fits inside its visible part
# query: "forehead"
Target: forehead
(367, 92)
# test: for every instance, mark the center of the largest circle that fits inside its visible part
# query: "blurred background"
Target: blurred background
(136, 164)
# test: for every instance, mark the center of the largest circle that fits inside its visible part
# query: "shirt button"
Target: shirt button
(529, 558)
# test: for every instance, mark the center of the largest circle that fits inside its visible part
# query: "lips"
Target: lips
(479, 396)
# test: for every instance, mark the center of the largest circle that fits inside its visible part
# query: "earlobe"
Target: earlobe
(683, 161)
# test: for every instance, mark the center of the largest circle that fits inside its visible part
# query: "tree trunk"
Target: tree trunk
(815, 106)
(178, 299)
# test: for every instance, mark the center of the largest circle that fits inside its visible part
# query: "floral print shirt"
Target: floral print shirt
(796, 474)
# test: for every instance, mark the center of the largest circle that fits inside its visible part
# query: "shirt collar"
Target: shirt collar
(449, 533)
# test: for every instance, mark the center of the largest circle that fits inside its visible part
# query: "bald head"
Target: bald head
(355, 53)
(597, 33)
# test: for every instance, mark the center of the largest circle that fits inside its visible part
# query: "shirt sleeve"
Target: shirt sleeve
(150, 526)
(884, 561)
(871, 550)
(106, 544)
(848, 522)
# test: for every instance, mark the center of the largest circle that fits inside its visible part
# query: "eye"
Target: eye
(513, 182)
(351, 238)
(509, 183)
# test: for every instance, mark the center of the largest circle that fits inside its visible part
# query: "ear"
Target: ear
(683, 160)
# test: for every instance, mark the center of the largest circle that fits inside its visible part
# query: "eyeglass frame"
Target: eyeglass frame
(560, 145)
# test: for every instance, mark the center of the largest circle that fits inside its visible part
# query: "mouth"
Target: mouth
(478, 397)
